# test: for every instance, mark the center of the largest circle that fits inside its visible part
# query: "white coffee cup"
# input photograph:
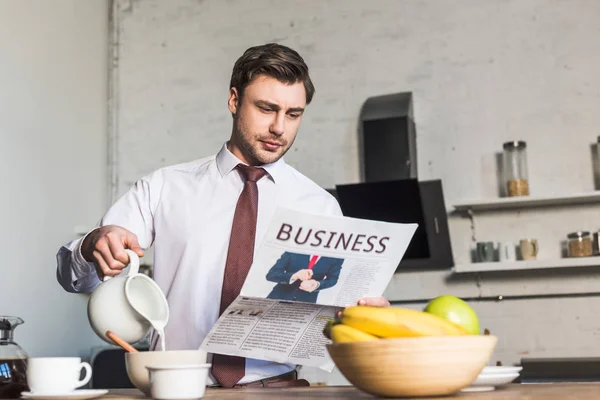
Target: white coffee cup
(56, 375)
(178, 381)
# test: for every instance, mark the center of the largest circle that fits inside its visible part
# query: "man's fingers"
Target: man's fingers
(103, 248)
(104, 269)
(132, 243)
(99, 264)
(308, 285)
(305, 285)
(117, 249)
(374, 302)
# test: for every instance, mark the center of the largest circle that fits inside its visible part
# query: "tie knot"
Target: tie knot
(251, 174)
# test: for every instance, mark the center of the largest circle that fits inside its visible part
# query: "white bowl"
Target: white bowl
(178, 382)
(136, 364)
(500, 370)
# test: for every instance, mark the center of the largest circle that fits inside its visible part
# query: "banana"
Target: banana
(328, 326)
(392, 322)
(341, 333)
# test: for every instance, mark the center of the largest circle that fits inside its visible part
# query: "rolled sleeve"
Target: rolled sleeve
(73, 272)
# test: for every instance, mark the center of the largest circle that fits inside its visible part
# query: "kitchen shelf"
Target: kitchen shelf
(528, 265)
(507, 203)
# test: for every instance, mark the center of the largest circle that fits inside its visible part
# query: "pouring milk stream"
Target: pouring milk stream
(128, 305)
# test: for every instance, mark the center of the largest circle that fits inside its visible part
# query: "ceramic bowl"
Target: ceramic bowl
(178, 382)
(421, 366)
(137, 363)
(500, 370)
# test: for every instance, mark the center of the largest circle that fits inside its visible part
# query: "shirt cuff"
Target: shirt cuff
(81, 267)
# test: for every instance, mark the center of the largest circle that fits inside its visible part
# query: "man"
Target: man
(300, 277)
(192, 212)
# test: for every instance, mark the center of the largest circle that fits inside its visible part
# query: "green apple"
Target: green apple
(456, 310)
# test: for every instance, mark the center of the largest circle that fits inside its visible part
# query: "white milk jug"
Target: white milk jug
(128, 305)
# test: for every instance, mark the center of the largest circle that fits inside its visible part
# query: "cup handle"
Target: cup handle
(87, 376)
(134, 264)
(535, 248)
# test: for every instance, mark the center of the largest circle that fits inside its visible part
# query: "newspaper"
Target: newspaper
(306, 269)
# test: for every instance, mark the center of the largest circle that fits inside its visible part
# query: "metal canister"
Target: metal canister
(596, 243)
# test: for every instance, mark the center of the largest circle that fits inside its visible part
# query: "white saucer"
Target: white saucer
(488, 382)
(81, 394)
(478, 389)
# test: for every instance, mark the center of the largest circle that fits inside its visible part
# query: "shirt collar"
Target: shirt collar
(226, 162)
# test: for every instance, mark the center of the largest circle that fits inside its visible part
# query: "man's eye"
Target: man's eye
(266, 109)
(294, 115)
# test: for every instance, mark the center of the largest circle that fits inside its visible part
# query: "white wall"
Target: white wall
(53, 108)
(482, 72)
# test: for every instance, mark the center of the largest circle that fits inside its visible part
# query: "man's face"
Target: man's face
(266, 119)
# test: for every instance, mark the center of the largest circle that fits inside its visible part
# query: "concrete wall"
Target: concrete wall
(482, 73)
(53, 75)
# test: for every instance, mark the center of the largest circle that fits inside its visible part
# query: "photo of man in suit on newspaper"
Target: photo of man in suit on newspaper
(300, 277)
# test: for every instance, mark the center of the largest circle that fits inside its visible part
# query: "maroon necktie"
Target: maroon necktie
(228, 370)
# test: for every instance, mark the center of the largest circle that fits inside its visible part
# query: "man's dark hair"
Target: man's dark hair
(274, 60)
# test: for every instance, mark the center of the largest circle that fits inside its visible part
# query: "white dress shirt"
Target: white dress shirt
(186, 211)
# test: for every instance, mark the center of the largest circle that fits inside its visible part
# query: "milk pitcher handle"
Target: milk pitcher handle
(134, 264)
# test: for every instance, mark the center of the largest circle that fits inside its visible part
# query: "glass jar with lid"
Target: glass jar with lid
(515, 168)
(579, 244)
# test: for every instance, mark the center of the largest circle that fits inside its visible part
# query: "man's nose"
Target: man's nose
(278, 125)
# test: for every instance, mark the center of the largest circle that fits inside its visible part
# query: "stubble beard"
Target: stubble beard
(250, 144)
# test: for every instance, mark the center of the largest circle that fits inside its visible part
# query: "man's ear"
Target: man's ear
(233, 101)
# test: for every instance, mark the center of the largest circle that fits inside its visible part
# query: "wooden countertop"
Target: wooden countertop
(546, 391)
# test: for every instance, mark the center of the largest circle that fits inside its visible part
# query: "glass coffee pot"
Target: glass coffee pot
(13, 360)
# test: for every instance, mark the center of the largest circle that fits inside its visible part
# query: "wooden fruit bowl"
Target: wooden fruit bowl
(420, 366)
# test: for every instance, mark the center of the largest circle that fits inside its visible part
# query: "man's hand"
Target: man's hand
(303, 275)
(369, 301)
(309, 286)
(374, 302)
(105, 247)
